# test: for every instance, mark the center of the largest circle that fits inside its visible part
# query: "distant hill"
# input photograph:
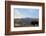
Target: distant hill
(25, 22)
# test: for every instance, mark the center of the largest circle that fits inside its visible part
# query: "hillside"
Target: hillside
(25, 22)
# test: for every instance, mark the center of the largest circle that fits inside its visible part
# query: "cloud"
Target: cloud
(18, 14)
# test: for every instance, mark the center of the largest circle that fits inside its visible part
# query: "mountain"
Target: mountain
(25, 22)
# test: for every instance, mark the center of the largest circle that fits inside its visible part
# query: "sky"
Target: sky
(26, 13)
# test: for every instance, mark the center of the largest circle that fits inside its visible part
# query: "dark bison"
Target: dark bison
(34, 23)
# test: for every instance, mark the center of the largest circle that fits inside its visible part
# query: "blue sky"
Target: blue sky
(26, 12)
